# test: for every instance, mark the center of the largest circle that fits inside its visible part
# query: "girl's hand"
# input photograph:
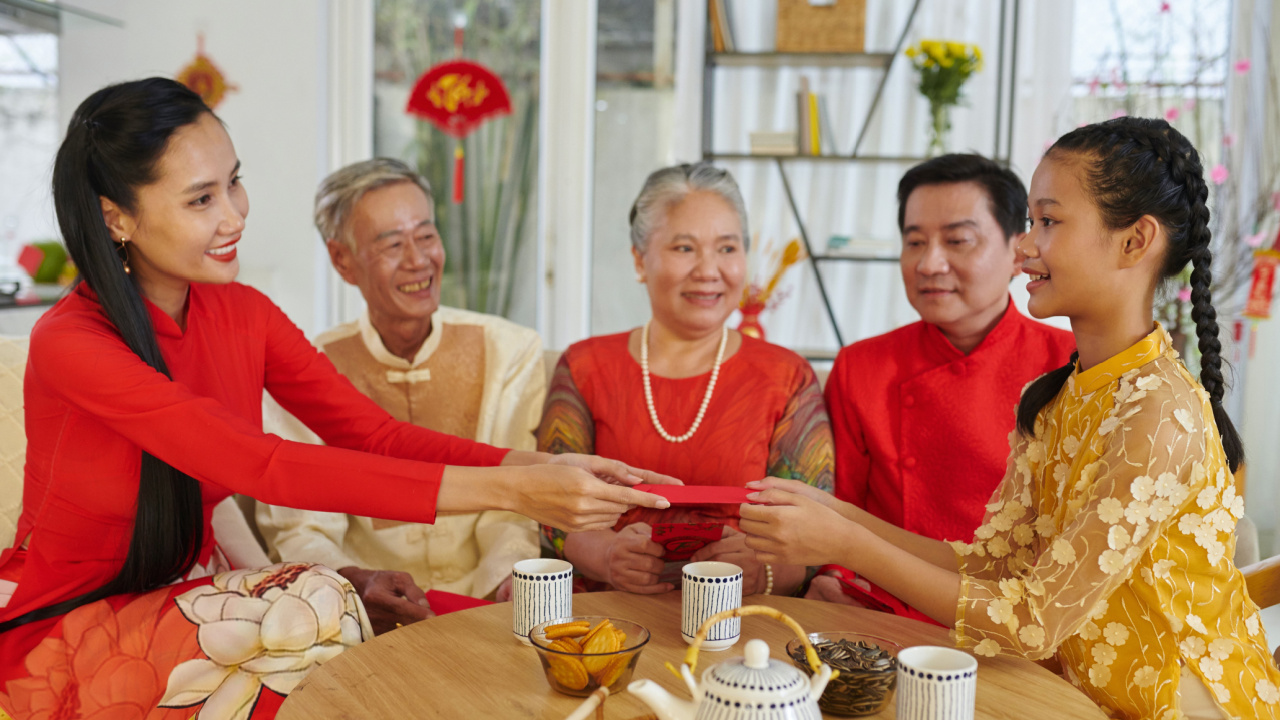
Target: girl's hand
(732, 548)
(791, 528)
(796, 487)
(634, 561)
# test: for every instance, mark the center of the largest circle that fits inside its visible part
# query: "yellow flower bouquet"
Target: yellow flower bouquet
(944, 67)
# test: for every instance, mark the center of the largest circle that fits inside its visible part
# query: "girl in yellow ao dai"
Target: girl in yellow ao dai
(1110, 540)
(1108, 543)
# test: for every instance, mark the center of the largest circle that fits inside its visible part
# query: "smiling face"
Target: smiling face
(694, 265)
(398, 254)
(956, 261)
(1068, 253)
(186, 224)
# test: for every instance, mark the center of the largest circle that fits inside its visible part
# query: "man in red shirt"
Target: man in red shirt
(921, 415)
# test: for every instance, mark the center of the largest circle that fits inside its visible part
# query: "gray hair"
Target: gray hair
(668, 186)
(339, 193)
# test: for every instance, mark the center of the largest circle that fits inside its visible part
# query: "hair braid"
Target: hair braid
(1142, 166)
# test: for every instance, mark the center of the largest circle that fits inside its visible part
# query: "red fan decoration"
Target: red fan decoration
(1258, 305)
(456, 96)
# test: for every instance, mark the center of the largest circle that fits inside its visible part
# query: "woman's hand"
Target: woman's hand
(391, 598)
(612, 471)
(633, 561)
(573, 499)
(503, 593)
(732, 548)
(793, 528)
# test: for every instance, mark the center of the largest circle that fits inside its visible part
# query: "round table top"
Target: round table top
(468, 665)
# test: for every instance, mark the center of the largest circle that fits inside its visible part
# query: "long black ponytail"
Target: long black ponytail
(1143, 166)
(113, 145)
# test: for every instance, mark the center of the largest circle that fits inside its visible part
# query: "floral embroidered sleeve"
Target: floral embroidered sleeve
(1150, 448)
(801, 447)
(1004, 542)
(566, 427)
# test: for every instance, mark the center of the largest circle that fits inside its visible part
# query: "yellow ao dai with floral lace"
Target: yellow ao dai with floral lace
(1109, 543)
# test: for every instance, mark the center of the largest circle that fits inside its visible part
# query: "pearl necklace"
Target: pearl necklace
(648, 388)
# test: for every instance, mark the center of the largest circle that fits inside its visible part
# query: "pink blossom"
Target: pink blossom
(1255, 240)
(1184, 294)
(1219, 174)
(1275, 200)
(1094, 84)
(1118, 114)
(1189, 105)
(1242, 66)
(1164, 7)
(1171, 114)
(1228, 140)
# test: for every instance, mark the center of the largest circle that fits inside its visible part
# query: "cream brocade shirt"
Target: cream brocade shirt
(477, 376)
(1110, 541)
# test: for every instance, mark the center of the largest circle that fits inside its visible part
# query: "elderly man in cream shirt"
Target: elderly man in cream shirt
(454, 371)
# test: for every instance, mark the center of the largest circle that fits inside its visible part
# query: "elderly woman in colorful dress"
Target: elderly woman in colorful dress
(684, 395)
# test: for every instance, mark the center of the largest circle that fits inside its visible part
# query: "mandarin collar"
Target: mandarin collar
(1002, 330)
(377, 348)
(1155, 344)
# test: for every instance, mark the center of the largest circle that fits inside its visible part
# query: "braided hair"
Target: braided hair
(1143, 166)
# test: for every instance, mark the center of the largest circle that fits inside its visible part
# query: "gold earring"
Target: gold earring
(124, 250)
(639, 278)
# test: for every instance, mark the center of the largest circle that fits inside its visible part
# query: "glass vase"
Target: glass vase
(939, 128)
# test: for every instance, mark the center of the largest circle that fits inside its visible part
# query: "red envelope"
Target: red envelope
(680, 541)
(443, 603)
(698, 494)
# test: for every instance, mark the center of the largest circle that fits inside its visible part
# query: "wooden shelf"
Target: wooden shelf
(882, 159)
(780, 60)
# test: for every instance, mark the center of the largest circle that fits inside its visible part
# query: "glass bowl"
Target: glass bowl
(580, 673)
(855, 692)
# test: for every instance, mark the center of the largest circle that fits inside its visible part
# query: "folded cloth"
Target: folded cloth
(443, 603)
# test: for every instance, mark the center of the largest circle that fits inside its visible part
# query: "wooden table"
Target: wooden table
(468, 665)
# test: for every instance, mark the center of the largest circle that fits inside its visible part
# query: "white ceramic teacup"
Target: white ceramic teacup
(541, 590)
(711, 587)
(936, 683)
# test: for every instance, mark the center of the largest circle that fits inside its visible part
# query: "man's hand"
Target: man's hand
(503, 593)
(827, 589)
(391, 598)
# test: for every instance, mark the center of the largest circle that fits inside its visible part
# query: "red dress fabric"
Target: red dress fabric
(757, 402)
(92, 406)
(922, 430)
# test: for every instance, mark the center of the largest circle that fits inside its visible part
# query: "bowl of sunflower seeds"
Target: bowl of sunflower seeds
(868, 668)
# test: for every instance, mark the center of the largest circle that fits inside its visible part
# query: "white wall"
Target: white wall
(275, 52)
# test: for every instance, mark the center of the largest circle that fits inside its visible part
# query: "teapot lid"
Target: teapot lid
(756, 678)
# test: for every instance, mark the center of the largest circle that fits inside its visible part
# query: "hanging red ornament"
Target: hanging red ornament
(457, 96)
(1262, 286)
(204, 78)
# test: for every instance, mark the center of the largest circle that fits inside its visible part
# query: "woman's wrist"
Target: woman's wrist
(517, 458)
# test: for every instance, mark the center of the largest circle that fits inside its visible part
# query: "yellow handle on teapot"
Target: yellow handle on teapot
(691, 655)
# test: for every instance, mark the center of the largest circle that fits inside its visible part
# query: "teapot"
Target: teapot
(753, 686)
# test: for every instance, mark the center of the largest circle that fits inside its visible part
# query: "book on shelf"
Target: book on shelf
(774, 143)
(721, 26)
(828, 132)
(802, 115)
